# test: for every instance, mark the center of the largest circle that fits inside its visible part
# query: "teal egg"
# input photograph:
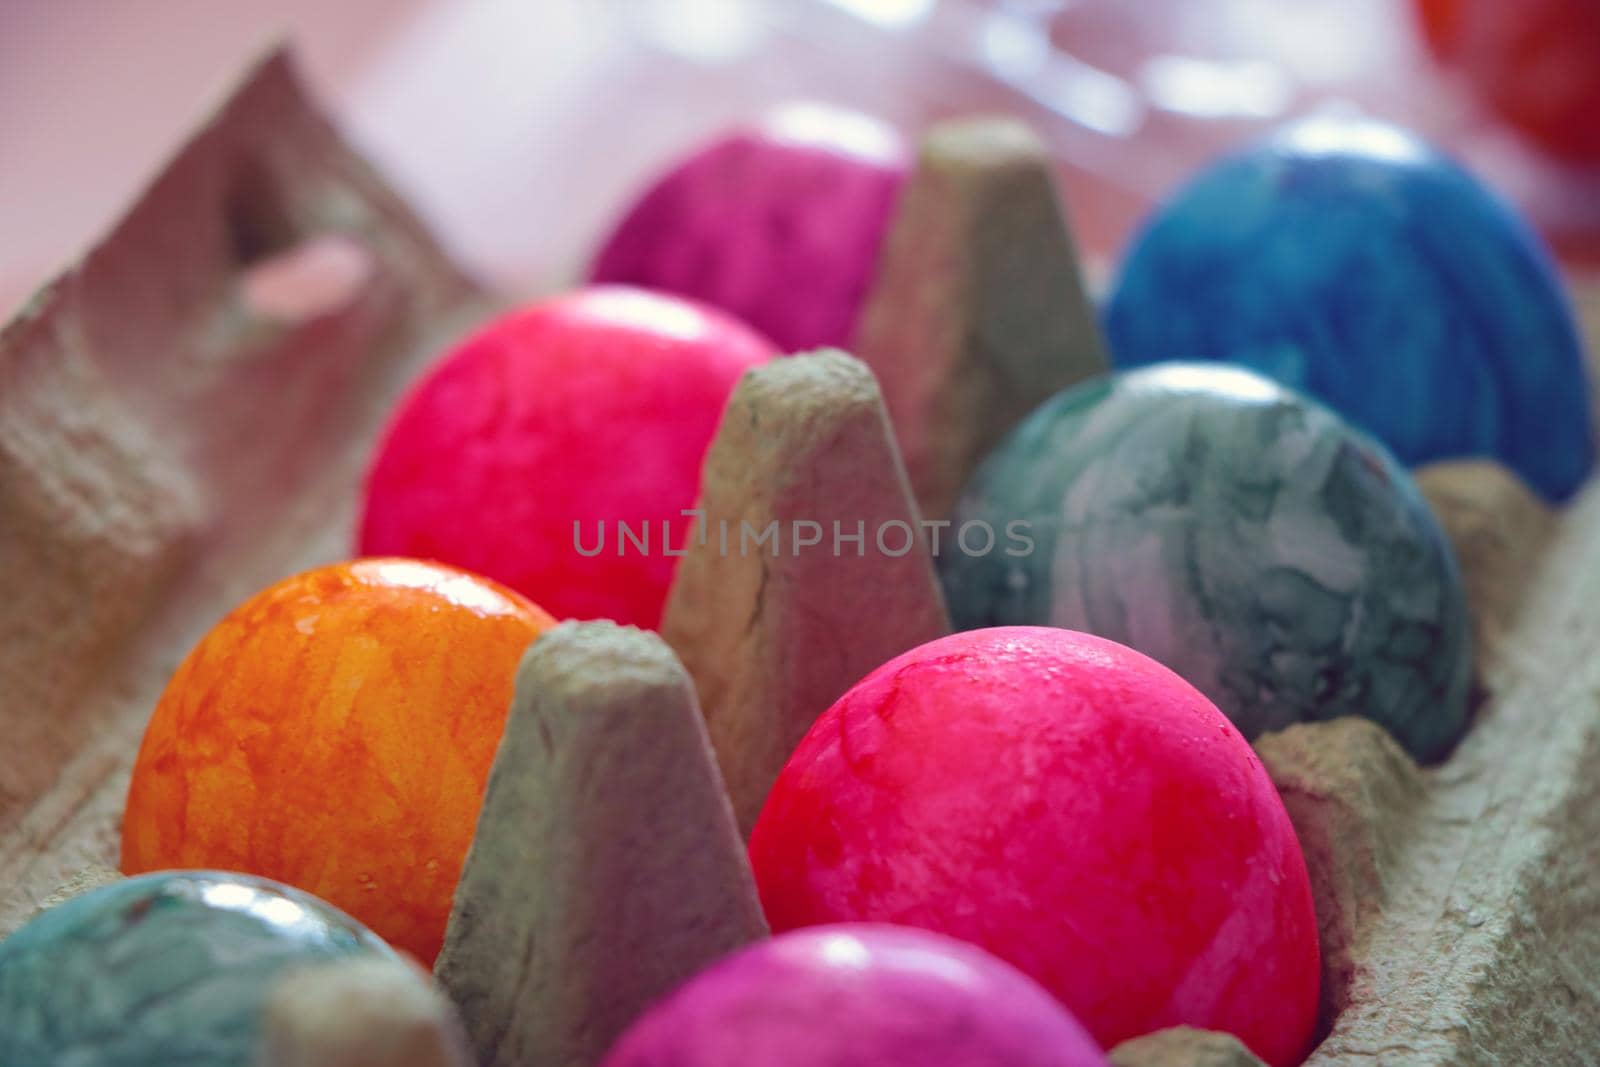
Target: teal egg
(165, 970)
(1277, 558)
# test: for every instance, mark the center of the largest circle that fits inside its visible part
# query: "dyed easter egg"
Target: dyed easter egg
(1353, 262)
(884, 996)
(552, 449)
(1074, 808)
(1249, 539)
(168, 970)
(1536, 62)
(779, 224)
(335, 732)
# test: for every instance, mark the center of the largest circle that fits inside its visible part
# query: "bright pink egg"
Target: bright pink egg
(525, 450)
(1073, 807)
(874, 996)
(779, 224)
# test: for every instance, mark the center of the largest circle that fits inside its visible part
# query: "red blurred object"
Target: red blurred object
(1441, 24)
(1536, 62)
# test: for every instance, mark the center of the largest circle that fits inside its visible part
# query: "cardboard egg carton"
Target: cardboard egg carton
(184, 417)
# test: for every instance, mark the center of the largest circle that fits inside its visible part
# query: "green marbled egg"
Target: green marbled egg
(165, 970)
(1248, 538)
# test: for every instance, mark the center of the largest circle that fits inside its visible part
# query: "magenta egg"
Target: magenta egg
(779, 224)
(858, 996)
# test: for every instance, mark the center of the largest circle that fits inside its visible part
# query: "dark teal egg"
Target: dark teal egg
(164, 970)
(1351, 261)
(1248, 538)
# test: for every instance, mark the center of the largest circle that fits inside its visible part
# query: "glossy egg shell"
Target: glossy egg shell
(335, 732)
(1353, 262)
(780, 224)
(1248, 538)
(868, 995)
(529, 445)
(1072, 807)
(165, 970)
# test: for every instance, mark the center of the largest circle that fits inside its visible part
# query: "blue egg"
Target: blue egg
(1251, 540)
(165, 970)
(1351, 261)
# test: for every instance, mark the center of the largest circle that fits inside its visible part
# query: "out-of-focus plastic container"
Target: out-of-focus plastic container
(555, 113)
(521, 128)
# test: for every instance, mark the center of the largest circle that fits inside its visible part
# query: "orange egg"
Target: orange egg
(335, 732)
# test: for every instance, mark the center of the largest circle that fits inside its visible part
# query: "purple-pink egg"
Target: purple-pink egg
(779, 224)
(858, 994)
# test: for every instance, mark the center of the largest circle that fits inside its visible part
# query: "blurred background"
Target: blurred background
(519, 127)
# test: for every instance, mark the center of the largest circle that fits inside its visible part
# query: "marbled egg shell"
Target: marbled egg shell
(1072, 807)
(1352, 261)
(779, 224)
(550, 428)
(165, 970)
(858, 994)
(1279, 560)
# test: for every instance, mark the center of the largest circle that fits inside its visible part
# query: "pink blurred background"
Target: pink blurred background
(519, 127)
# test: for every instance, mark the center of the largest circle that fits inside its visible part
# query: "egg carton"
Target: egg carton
(184, 418)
